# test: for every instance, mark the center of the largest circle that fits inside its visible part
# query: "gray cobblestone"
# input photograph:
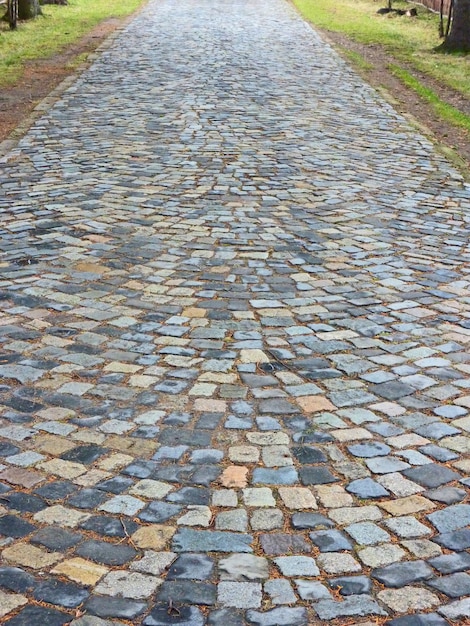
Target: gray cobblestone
(237, 294)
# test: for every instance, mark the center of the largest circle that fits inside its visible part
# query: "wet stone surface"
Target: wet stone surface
(234, 303)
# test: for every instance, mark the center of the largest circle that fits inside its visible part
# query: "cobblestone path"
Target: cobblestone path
(234, 321)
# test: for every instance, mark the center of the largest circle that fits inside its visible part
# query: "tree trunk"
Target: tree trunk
(459, 36)
(28, 9)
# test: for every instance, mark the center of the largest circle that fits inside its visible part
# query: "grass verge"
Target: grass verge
(445, 111)
(60, 26)
(409, 40)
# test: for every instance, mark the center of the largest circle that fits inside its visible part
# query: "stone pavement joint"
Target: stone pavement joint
(234, 328)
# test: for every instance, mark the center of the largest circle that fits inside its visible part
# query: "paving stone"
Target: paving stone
(106, 606)
(402, 574)
(380, 555)
(190, 566)
(188, 540)
(451, 518)
(240, 595)
(302, 521)
(456, 540)
(367, 533)
(283, 543)
(455, 586)
(66, 595)
(106, 553)
(408, 599)
(447, 495)
(39, 615)
(351, 585)
(407, 527)
(186, 616)
(9, 602)
(337, 563)
(457, 609)
(154, 563)
(419, 619)
(280, 591)
(187, 592)
(431, 475)
(266, 519)
(311, 589)
(120, 583)
(330, 540)
(386, 465)
(15, 579)
(278, 617)
(449, 563)
(369, 449)
(316, 476)
(297, 566)
(367, 488)
(351, 606)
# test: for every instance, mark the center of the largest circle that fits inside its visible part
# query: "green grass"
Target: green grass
(444, 110)
(409, 40)
(59, 27)
(356, 59)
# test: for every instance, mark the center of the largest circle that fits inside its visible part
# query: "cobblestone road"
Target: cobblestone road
(235, 313)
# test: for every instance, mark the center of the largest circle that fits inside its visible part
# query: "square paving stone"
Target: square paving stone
(407, 527)
(58, 490)
(87, 499)
(109, 526)
(456, 540)
(355, 605)
(107, 553)
(297, 566)
(191, 495)
(282, 543)
(431, 475)
(303, 521)
(309, 455)
(116, 485)
(369, 450)
(367, 533)
(15, 579)
(330, 540)
(13, 526)
(401, 574)
(56, 539)
(188, 540)
(419, 619)
(39, 615)
(351, 585)
(392, 390)
(227, 617)
(311, 475)
(86, 454)
(184, 616)
(158, 512)
(437, 453)
(278, 617)
(447, 495)
(187, 592)
(63, 594)
(449, 563)
(451, 518)
(191, 566)
(386, 465)
(455, 586)
(367, 488)
(106, 606)
(282, 476)
(24, 502)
